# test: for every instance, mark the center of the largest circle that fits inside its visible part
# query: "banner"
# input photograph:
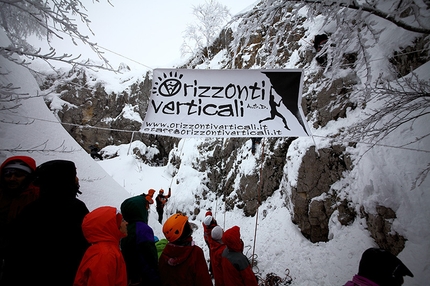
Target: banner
(226, 103)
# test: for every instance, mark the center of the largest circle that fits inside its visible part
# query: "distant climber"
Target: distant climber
(161, 200)
(149, 198)
(254, 140)
(319, 42)
(94, 149)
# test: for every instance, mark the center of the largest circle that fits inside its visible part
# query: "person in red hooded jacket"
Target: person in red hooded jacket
(236, 268)
(103, 263)
(182, 263)
(16, 192)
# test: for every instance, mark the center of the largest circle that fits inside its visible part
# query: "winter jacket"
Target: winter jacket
(236, 268)
(160, 245)
(358, 280)
(216, 250)
(183, 266)
(138, 247)
(103, 263)
(48, 243)
(161, 200)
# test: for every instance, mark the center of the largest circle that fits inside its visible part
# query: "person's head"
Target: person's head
(16, 174)
(104, 224)
(121, 223)
(382, 267)
(151, 192)
(217, 233)
(208, 213)
(135, 209)
(57, 178)
(177, 229)
(231, 238)
(161, 191)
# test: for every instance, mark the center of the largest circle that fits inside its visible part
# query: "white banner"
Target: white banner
(226, 103)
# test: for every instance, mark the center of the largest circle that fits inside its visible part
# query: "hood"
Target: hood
(177, 254)
(231, 238)
(100, 225)
(134, 209)
(382, 267)
(27, 160)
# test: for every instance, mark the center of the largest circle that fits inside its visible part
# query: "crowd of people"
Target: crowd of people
(43, 220)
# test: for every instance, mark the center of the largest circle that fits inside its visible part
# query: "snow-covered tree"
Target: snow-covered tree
(45, 19)
(20, 19)
(211, 17)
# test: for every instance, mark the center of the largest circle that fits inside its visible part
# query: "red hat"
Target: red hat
(24, 163)
(208, 213)
(231, 238)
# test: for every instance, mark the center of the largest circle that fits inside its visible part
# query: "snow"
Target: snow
(279, 245)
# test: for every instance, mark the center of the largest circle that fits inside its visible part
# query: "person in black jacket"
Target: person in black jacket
(161, 200)
(48, 243)
(94, 149)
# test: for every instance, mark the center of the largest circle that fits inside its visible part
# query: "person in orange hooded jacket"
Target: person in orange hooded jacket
(103, 263)
(236, 268)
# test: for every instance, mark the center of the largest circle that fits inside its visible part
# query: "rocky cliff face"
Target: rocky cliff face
(94, 116)
(271, 43)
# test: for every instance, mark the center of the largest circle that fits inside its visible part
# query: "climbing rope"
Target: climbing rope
(259, 199)
(274, 280)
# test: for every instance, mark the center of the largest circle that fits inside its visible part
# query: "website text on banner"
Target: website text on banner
(226, 103)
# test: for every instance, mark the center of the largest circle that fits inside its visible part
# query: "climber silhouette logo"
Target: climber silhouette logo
(287, 88)
(168, 85)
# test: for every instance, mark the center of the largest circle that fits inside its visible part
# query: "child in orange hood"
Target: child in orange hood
(103, 263)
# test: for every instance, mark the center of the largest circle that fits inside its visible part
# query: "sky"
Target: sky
(143, 34)
(32, 129)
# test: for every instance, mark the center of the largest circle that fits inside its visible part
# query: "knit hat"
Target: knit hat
(231, 238)
(217, 233)
(207, 220)
(18, 165)
(208, 213)
(382, 267)
(28, 162)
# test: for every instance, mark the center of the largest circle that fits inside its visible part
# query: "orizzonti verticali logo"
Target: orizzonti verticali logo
(168, 85)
